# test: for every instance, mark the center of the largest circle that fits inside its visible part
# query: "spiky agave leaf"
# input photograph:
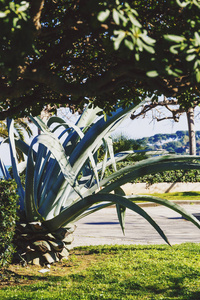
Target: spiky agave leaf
(71, 213)
(74, 136)
(94, 136)
(57, 150)
(30, 203)
(48, 197)
(10, 125)
(121, 209)
(148, 166)
(170, 204)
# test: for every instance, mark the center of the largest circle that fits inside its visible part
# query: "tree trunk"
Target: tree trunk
(191, 130)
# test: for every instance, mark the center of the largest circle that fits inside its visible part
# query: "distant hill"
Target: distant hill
(177, 142)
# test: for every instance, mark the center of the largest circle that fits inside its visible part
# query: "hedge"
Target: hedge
(171, 176)
(8, 218)
(167, 176)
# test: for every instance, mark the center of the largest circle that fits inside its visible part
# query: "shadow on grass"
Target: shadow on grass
(170, 287)
(8, 277)
(127, 272)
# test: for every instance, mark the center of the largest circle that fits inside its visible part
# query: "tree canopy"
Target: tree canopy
(68, 52)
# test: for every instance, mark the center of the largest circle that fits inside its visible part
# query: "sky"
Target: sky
(145, 127)
(134, 129)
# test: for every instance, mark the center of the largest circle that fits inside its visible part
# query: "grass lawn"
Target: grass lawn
(111, 272)
(179, 196)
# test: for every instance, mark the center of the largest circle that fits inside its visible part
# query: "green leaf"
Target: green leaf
(196, 2)
(191, 50)
(149, 49)
(148, 40)
(190, 57)
(198, 75)
(133, 20)
(103, 15)
(12, 6)
(174, 38)
(120, 35)
(15, 20)
(197, 38)
(182, 4)
(24, 6)
(129, 44)
(152, 73)
(3, 14)
(137, 56)
(174, 49)
(196, 64)
(116, 17)
(139, 44)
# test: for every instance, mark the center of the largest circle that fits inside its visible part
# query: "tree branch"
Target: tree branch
(116, 76)
(175, 112)
(36, 11)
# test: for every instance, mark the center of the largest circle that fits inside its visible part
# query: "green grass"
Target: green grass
(119, 272)
(179, 196)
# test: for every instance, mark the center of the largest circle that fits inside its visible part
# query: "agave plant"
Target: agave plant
(66, 181)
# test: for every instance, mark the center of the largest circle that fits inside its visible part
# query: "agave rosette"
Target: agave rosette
(65, 179)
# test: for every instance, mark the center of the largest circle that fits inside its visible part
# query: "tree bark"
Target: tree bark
(191, 130)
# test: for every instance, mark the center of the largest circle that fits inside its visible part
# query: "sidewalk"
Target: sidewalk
(103, 227)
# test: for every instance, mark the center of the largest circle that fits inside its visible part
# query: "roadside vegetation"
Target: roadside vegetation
(179, 196)
(111, 272)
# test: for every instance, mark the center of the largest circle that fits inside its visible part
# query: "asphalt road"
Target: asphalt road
(103, 228)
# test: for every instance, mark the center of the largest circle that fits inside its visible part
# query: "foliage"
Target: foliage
(123, 143)
(158, 142)
(172, 176)
(67, 53)
(8, 217)
(114, 272)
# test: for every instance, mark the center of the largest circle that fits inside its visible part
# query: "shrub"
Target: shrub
(171, 176)
(166, 176)
(8, 217)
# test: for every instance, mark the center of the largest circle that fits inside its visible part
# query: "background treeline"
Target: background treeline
(177, 142)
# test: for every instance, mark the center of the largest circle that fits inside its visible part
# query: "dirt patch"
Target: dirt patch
(16, 274)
